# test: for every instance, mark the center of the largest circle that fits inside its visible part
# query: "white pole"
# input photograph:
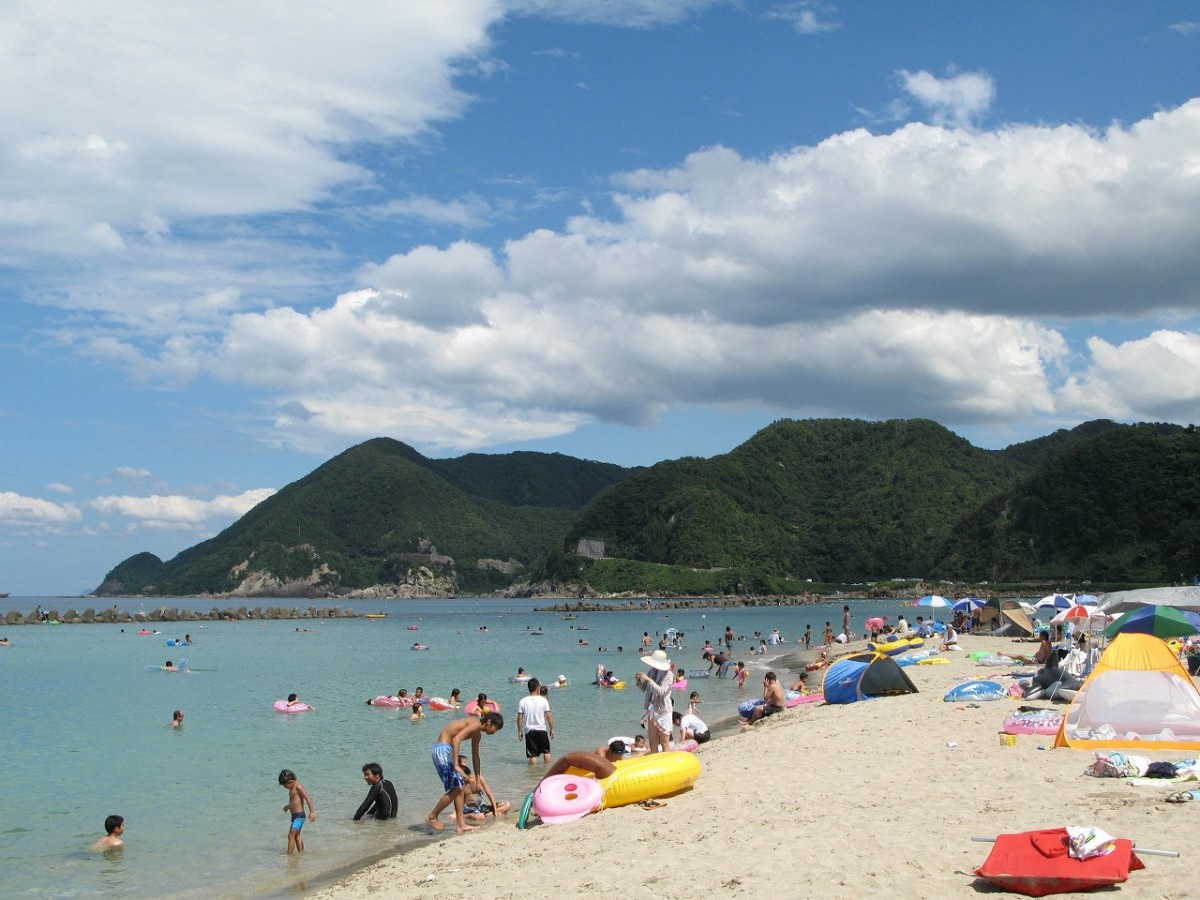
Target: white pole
(991, 839)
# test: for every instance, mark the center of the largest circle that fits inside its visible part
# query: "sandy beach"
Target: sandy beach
(870, 799)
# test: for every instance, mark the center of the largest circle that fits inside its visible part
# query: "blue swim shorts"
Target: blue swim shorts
(298, 820)
(443, 761)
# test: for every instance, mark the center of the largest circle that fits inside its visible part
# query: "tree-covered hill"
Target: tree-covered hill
(529, 479)
(370, 514)
(833, 499)
(1122, 506)
(1033, 455)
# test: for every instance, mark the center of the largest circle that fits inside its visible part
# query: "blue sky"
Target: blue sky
(240, 238)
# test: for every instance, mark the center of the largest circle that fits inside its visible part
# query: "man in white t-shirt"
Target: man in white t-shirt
(535, 723)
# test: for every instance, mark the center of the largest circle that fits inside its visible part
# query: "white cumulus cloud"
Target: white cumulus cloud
(957, 100)
(226, 110)
(178, 511)
(1156, 378)
(16, 510)
(905, 273)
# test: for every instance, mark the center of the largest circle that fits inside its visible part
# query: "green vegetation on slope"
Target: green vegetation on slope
(1124, 506)
(827, 499)
(364, 516)
(831, 500)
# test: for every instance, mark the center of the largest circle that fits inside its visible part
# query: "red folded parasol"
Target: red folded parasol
(1036, 863)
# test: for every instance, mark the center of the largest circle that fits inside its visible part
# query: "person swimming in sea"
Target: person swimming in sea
(114, 827)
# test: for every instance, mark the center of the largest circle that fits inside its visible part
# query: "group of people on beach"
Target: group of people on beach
(466, 790)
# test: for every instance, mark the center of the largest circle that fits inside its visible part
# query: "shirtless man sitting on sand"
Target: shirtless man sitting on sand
(445, 761)
(773, 700)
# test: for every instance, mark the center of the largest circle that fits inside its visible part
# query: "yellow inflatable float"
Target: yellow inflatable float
(580, 783)
(895, 646)
(652, 775)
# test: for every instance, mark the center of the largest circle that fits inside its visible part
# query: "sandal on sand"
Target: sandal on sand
(1180, 797)
(655, 804)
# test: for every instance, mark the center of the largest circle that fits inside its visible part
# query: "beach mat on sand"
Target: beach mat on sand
(1036, 863)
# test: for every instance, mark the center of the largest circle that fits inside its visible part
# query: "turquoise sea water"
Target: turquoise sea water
(85, 731)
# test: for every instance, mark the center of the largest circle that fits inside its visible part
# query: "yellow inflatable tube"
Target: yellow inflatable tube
(633, 780)
(896, 646)
(652, 775)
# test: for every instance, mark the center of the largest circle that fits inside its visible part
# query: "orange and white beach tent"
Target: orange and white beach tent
(1139, 696)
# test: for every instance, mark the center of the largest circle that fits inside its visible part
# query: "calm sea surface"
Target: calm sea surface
(84, 730)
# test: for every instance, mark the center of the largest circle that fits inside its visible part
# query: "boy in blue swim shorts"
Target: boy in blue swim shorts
(297, 797)
(445, 761)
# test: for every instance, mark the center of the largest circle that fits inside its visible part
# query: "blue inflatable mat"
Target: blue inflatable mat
(745, 709)
(976, 690)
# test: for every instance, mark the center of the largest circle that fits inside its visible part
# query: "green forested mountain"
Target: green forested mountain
(1122, 506)
(365, 514)
(831, 500)
(1033, 455)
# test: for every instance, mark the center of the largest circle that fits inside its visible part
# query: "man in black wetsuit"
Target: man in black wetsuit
(381, 802)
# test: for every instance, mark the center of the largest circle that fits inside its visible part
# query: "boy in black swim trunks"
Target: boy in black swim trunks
(297, 797)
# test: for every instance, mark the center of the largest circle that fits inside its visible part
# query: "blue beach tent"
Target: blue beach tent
(861, 676)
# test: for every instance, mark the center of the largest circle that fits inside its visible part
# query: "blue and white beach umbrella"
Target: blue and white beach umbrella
(1054, 601)
(969, 604)
(933, 600)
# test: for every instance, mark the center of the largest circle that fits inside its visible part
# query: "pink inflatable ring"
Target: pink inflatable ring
(1037, 723)
(565, 798)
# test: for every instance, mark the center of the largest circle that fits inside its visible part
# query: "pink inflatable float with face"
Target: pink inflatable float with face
(565, 798)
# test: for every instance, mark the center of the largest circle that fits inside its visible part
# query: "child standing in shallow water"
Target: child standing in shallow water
(694, 702)
(740, 674)
(297, 797)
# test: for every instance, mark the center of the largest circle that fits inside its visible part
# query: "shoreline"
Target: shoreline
(724, 726)
(879, 796)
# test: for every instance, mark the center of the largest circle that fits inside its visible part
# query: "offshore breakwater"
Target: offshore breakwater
(114, 616)
(647, 603)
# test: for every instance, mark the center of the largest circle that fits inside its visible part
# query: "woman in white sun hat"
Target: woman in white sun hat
(656, 684)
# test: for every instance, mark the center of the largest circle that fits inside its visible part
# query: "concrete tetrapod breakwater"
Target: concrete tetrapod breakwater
(112, 616)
